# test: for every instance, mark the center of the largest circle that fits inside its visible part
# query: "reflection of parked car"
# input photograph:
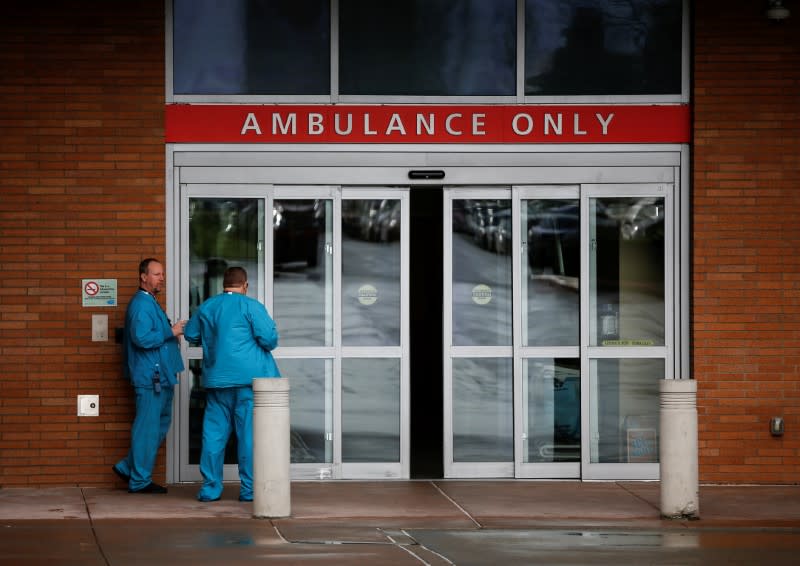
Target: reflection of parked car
(554, 237)
(389, 220)
(462, 209)
(484, 222)
(296, 230)
(372, 220)
(499, 233)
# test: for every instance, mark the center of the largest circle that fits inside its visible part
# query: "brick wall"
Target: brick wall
(82, 196)
(82, 184)
(746, 280)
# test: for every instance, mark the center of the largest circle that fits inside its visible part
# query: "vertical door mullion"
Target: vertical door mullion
(337, 335)
(405, 343)
(267, 246)
(181, 432)
(518, 397)
(447, 364)
(587, 266)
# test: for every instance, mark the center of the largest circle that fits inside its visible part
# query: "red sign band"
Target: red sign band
(203, 123)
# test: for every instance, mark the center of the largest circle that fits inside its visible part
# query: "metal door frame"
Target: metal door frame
(463, 165)
(561, 470)
(269, 193)
(622, 471)
(464, 469)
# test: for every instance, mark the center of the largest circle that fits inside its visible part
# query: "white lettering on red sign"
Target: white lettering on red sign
(466, 123)
(421, 123)
(289, 126)
(396, 124)
(315, 126)
(527, 127)
(604, 123)
(337, 127)
(448, 124)
(251, 123)
(522, 124)
(549, 123)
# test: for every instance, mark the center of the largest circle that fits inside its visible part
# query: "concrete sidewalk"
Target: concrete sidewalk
(354, 521)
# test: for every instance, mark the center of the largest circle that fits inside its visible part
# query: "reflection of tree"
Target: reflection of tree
(662, 50)
(223, 228)
(427, 47)
(614, 48)
(584, 50)
(287, 46)
(222, 232)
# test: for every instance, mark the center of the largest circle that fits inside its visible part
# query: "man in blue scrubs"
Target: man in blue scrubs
(237, 335)
(151, 360)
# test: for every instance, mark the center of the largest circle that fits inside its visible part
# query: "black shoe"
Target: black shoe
(150, 488)
(120, 475)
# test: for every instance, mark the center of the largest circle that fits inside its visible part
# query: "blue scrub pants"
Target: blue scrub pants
(227, 409)
(150, 427)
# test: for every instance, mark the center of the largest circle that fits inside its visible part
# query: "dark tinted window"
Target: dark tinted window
(251, 47)
(427, 47)
(600, 47)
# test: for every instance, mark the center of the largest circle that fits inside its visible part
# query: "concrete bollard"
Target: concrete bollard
(680, 495)
(271, 483)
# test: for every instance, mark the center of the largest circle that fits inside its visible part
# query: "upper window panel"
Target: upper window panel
(427, 47)
(272, 47)
(602, 47)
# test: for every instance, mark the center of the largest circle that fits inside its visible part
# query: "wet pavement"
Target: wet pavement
(402, 522)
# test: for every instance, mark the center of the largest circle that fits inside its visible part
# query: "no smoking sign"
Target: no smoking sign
(99, 292)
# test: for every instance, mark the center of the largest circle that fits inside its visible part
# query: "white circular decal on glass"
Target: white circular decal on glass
(367, 294)
(482, 294)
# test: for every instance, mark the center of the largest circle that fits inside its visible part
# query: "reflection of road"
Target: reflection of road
(370, 387)
(474, 323)
(368, 265)
(482, 398)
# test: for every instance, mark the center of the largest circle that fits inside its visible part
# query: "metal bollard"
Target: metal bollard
(678, 460)
(271, 484)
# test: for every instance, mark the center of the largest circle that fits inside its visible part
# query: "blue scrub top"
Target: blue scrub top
(237, 335)
(148, 340)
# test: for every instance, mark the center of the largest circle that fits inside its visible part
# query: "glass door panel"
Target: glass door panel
(374, 333)
(370, 410)
(303, 271)
(371, 266)
(627, 286)
(311, 412)
(481, 272)
(552, 411)
(224, 232)
(304, 285)
(547, 323)
(482, 421)
(334, 263)
(478, 330)
(625, 414)
(550, 271)
(628, 335)
(218, 232)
